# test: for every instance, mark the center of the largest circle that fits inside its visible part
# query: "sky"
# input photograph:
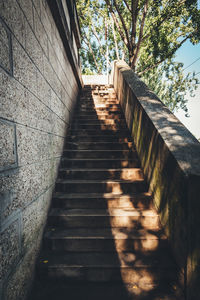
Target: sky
(187, 54)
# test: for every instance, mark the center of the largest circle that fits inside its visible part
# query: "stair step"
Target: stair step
(102, 174)
(103, 218)
(98, 110)
(106, 200)
(125, 154)
(105, 240)
(138, 290)
(88, 132)
(98, 138)
(99, 163)
(100, 186)
(98, 122)
(99, 115)
(96, 101)
(100, 106)
(97, 126)
(147, 258)
(104, 234)
(106, 273)
(98, 145)
(112, 116)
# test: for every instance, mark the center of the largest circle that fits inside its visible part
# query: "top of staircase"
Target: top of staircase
(96, 79)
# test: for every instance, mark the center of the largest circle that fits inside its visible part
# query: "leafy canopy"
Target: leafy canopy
(146, 34)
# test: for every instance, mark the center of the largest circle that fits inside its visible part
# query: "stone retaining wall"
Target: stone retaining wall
(170, 157)
(38, 91)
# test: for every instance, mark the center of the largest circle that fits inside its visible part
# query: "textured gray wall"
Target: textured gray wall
(37, 94)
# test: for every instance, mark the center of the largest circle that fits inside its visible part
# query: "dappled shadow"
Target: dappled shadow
(122, 250)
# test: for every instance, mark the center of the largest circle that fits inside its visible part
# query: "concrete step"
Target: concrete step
(83, 145)
(93, 106)
(101, 186)
(126, 154)
(147, 259)
(98, 109)
(104, 218)
(100, 122)
(152, 258)
(103, 96)
(106, 240)
(102, 174)
(111, 116)
(99, 163)
(98, 138)
(97, 114)
(97, 101)
(107, 273)
(165, 290)
(106, 200)
(106, 233)
(98, 126)
(88, 132)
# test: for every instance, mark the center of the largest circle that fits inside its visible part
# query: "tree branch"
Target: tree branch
(98, 39)
(140, 34)
(122, 21)
(87, 42)
(134, 14)
(117, 24)
(114, 35)
(127, 5)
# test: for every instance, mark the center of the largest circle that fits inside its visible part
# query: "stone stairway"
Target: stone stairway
(103, 239)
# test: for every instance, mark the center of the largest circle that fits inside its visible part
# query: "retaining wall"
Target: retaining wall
(170, 157)
(38, 91)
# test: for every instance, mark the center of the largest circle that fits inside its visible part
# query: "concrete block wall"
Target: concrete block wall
(38, 91)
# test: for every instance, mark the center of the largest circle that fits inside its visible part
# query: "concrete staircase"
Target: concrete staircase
(103, 239)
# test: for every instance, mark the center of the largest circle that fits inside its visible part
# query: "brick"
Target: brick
(34, 49)
(5, 48)
(43, 89)
(27, 8)
(37, 5)
(33, 145)
(34, 218)
(10, 247)
(24, 69)
(14, 18)
(8, 151)
(40, 32)
(27, 184)
(19, 281)
(14, 101)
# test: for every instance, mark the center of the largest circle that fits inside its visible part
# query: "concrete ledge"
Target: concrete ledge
(170, 156)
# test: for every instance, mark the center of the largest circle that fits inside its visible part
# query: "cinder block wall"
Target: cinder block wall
(38, 91)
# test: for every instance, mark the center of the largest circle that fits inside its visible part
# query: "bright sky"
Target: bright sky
(188, 54)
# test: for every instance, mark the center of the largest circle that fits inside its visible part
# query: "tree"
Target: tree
(147, 34)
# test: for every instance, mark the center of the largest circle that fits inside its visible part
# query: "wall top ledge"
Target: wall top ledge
(179, 140)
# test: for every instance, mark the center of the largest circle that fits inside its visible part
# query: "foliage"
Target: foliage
(170, 84)
(147, 34)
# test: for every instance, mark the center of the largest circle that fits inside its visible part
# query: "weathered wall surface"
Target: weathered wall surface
(38, 91)
(170, 156)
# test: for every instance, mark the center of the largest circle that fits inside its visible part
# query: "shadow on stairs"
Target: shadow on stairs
(103, 239)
